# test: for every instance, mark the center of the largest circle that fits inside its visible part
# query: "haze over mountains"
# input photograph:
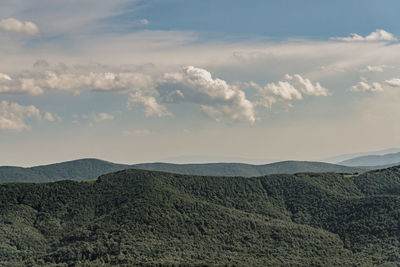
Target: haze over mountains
(83, 169)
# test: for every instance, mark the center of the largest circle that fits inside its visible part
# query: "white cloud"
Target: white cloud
(19, 86)
(97, 81)
(364, 86)
(13, 116)
(152, 107)
(283, 90)
(48, 116)
(395, 82)
(292, 89)
(14, 25)
(103, 117)
(25, 86)
(306, 86)
(144, 22)
(75, 80)
(4, 77)
(378, 35)
(377, 68)
(216, 97)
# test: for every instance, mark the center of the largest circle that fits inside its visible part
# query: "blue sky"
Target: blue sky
(138, 81)
(277, 19)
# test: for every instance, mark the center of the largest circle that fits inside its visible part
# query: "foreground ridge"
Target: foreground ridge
(146, 217)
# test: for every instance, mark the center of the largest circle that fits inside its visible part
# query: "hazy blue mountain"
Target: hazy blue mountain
(207, 159)
(84, 169)
(373, 160)
(147, 218)
(248, 170)
(341, 158)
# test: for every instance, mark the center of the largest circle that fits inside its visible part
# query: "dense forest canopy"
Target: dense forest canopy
(147, 217)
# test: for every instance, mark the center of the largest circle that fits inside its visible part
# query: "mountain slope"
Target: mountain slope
(74, 170)
(373, 160)
(91, 168)
(340, 158)
(137, 217)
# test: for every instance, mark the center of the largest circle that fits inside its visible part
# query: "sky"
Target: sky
(166, 80)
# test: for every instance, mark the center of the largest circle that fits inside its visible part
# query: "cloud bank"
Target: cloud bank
(378, 35)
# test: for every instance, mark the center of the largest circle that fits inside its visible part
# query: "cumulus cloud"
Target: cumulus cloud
(18, 86)
(152, 107)
(378, 35)
(377, 68)
(364, 86)
(13, 116)
(283, 90)
(15, 25)
(49, 117)
(395, 82)
(293, 88)
(216, 98)
(306, 86)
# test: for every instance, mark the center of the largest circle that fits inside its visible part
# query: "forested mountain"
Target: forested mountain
(373, 160)
(84, 169)
(137, 217)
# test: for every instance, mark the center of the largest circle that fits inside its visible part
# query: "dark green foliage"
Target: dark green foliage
(85, 169)
(137, 217)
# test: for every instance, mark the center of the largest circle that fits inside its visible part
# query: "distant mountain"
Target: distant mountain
(248, 170)
(84, 169)
(81, 169)
(344, 157)
(373, 160)
(147, 218)
(205, 159)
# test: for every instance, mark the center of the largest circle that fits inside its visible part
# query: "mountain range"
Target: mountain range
(84, 169)
(370, 160)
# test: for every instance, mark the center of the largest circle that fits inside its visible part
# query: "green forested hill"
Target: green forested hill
(81, 169)
(145, 217)
(84, 169)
